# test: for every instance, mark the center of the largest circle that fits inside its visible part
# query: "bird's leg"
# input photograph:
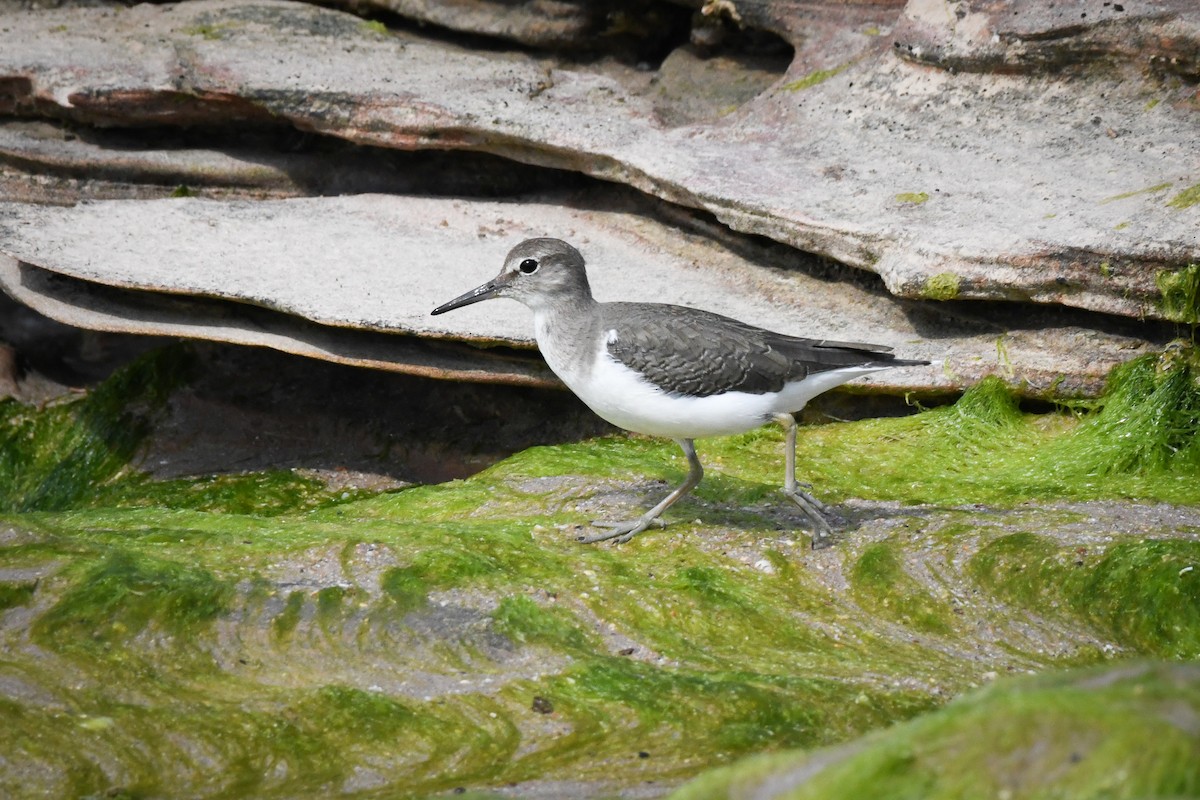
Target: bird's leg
(624, 531)
(816, 511)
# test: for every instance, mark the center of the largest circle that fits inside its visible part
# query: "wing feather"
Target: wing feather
(689, 351)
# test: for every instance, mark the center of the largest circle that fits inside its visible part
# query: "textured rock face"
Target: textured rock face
(328, 277)
(1003, 188)
(955, 149)
(960, 151)
(1030, 37)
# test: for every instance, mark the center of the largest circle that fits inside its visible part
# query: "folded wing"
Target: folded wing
(689, 351)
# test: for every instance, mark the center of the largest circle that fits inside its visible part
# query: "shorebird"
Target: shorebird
(673, 371)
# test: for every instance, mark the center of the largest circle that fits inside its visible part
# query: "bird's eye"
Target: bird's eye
(528, 266)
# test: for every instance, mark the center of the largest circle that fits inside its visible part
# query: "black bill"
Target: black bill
(476, 295)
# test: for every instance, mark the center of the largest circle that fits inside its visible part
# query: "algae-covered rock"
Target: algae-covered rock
(277, 636)
(1124, 731)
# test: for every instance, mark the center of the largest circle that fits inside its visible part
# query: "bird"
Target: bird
(673, 371)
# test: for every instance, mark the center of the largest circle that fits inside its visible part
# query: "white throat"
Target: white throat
(568, 341)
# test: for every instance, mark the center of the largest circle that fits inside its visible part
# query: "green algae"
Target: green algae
(1139, 593)
(1186, 198)
(210, 31)
(912, 198)
(1147, 595)
(881, 584)
(670, 646)
(77, 454)
(943, 286)
(727, 712)
(815, 77)
(53, 458)
(524, 621)
(1146, 425)
(125, 594)
(481, 559)
(16, 594)
(1159, 187)
(724, 713)
(1084, 734)
(259, 493)
(1180, 292)
(1136, 441)
(287, 620)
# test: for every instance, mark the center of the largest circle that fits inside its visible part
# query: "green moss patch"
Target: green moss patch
(269, 640)
(882, 585)
(54, 458)
(524, 621)
(1142, 593)
(258, 493)
(1180, 292)
(1160, 187)
(815, 77)
(943, 286)
(126, 594)
(1112, 733)
(1186, 198)
(1137, 441)
(16, 594)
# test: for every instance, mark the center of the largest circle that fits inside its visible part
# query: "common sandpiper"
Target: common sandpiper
(673, 371)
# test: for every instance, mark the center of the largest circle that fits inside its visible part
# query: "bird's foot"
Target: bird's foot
(622, 532)
(820, 516)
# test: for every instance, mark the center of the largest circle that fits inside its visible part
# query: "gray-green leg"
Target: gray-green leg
(816, 511)
(624, 531)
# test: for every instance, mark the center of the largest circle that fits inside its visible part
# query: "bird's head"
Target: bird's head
(537, 273)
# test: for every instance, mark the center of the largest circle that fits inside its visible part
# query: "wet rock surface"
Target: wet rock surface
(312, 601)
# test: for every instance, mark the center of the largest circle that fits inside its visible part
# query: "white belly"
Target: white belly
(624, 398)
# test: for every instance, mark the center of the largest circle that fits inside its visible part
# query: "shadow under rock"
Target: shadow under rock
(248, 409)
(254, 409)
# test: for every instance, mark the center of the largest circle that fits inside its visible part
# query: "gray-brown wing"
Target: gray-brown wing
(689, 351)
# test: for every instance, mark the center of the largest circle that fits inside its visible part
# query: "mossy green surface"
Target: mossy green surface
(1186, 198)
(943, 286)
(1084, 734)
(1139, 592)
(815, 77)
(1138, 441)
(261, 636)
(1159, 187)
(882, 585)
(210, 31)
(16, 594)
(913, 198)
(55, 458)
(125, 593)
(1180, 292)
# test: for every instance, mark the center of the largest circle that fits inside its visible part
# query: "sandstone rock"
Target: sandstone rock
(352, 279)
(1074, 190)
